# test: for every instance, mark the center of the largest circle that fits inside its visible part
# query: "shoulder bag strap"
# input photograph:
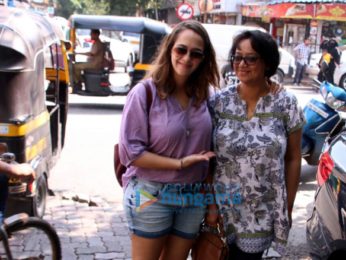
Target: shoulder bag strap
(149, 95)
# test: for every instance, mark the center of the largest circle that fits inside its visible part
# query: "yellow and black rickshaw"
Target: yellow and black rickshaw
(34, 83)
(151, 32)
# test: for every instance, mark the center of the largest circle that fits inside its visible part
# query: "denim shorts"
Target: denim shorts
(155, 209)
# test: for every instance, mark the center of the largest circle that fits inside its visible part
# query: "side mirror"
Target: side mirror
(125, 40)
(324, 66)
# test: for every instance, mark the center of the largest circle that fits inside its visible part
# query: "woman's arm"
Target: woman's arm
(292, 168)
(153, 161)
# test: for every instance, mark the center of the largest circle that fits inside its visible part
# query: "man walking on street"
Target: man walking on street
(302, 51)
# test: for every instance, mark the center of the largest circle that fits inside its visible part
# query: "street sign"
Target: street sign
(206, 5)
(185, 11)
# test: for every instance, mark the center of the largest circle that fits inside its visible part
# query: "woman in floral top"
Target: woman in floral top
(257, 140)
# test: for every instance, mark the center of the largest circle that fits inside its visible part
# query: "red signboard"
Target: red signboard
(297, 10)
(185, 11)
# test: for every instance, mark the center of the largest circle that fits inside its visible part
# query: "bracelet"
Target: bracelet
(181, 164)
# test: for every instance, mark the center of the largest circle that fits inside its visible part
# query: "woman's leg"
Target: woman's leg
(147, 249)
(176, 248)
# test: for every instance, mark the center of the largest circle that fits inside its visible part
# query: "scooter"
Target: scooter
(325, 120)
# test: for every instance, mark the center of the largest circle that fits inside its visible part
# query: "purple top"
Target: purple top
(168, 126)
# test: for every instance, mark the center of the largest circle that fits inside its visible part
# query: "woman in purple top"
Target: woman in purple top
(167, 151)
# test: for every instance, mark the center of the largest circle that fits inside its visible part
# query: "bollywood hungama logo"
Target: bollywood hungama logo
(198, 196)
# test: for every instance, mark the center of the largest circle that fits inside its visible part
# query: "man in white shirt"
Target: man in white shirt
(95, 59)
(302, 51)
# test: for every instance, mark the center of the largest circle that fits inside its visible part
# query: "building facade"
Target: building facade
(291, 21)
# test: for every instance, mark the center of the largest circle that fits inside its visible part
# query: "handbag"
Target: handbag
(118, 167)
(210, 244)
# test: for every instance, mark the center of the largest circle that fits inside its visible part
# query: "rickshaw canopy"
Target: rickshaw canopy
(140, 25)
(23, 35)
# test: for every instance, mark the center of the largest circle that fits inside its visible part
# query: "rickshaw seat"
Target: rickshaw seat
(93, 71)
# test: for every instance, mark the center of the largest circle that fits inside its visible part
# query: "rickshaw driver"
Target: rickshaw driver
(95, 59)
(22, 171)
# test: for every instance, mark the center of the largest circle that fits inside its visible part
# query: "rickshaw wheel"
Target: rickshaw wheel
(40, 198)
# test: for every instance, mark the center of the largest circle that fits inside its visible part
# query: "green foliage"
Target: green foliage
(66, 8)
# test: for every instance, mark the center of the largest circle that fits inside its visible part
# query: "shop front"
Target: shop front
(291, 22)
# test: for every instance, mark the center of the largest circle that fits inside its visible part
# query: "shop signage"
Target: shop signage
(185, 11)
(335, 12)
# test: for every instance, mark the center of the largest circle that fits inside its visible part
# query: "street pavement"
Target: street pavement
(95, 227)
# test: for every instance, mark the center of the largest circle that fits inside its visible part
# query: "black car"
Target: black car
(326, 227)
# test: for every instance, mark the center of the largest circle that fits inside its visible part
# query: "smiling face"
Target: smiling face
(249, 74)
(183, 64)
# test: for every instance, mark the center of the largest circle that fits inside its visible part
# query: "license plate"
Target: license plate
(318, 110)
(14, 180)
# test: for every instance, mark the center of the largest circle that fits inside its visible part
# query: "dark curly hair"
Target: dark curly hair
(264, 44)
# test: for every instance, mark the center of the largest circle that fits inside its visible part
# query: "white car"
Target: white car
(340, 73)
(133, 39)
(123, 53)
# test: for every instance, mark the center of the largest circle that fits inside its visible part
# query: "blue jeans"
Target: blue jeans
(153, 210)
(3, 195)
(300, 69)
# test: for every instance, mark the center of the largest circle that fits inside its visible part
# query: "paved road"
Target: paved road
(86, 169)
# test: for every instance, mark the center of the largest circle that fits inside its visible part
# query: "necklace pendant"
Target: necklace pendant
(187, 132)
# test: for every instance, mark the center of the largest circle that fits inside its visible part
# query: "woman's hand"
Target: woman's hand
(212, 216)
(195, 158)
(275, 87)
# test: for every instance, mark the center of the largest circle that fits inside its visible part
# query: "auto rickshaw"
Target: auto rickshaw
(97, 82)
(33, 101)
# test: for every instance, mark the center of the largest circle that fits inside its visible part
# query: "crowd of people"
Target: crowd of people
(251, 131)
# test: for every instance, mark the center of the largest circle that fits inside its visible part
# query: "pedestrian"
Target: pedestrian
(257, 141)
(95, 60)
(335, 60)
(326, 57)
(302, 51)
(170, 145)
(21, 171)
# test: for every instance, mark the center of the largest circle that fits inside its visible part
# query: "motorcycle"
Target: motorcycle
(325, 120)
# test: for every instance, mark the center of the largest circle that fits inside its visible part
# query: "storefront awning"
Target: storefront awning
(303, 9)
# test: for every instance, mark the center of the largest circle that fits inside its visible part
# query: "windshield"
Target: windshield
(131, 34)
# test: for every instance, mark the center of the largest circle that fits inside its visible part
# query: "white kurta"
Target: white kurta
(251, 153)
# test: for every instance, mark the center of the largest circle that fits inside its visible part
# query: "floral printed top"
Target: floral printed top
(250, 166)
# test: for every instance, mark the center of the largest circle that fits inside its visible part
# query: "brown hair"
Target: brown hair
(200, 80)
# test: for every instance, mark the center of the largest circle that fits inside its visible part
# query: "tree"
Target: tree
(66, 8)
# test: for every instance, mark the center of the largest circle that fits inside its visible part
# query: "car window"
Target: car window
(83, 31)
(111, 34)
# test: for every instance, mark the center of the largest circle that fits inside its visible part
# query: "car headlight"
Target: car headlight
(333, 102)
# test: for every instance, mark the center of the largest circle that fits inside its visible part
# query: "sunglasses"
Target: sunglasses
(250, 60)
(194, 55)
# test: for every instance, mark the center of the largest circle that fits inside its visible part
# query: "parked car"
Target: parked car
(133, 39)
(122, 52)
(339, 74)
(326, 227)
(222, 36)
